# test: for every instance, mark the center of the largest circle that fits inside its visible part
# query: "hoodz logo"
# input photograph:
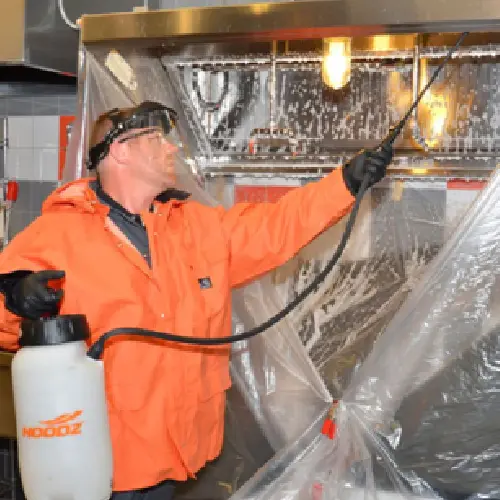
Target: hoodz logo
(61, 426)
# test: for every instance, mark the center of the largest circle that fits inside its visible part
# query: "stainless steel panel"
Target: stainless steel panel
(233, 101)
(33, 33)
(49, 43)
(293, 20)
(76, 8)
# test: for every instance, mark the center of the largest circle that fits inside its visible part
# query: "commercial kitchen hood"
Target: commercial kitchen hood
(250, 74)
(293, 20)
(33, 33)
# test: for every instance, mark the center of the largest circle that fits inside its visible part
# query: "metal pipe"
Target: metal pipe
(320, 158)
(312, 58)
(417, 171)
(209, 115)
(5, 143)
(272, 89)
(393, 177)
(476, 51)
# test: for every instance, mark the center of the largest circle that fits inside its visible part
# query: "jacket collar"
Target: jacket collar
(80, 194)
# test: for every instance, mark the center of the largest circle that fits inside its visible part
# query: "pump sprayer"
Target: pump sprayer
(59, 389)
(63, 436)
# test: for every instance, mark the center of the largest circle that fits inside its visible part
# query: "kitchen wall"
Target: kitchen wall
(36, 141)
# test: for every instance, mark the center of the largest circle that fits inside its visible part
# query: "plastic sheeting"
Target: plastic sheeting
(400, 228)
(419, 419)
(279, 399)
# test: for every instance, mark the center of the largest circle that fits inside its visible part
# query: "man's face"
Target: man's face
(152, 155)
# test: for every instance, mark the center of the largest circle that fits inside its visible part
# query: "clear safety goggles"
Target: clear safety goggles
(145, 119)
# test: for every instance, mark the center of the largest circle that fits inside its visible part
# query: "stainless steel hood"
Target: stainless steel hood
(257, 67)
(34, 35)
(295, 20)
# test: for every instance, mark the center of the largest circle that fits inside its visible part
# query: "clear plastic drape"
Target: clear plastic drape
(419, 418)
(400, 228)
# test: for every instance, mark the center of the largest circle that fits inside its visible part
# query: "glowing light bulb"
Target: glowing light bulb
(439, 112)
(434, 109)
(336, 68)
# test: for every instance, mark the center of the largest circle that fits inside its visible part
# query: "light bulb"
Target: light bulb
(336, 68)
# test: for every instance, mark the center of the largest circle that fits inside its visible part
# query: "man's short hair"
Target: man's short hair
(103, 124)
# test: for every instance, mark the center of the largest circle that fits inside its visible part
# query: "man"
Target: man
(129, 250)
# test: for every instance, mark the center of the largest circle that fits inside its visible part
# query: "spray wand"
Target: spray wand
(96, 350)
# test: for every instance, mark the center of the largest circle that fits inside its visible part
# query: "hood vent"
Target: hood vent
(34, 35)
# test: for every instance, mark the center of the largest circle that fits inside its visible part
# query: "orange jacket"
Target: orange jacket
(166, 401)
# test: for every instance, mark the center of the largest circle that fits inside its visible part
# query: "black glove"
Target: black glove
(374, 162)
(28, 295)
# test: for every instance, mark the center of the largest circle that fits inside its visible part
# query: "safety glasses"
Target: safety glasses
(149, 131)
(147, 117)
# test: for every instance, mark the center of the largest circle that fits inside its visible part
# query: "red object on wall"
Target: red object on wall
(259, 194)
(464, 185)
(12, 191)
(64, 122)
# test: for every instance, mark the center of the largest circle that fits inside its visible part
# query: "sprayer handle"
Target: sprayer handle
(389, 140)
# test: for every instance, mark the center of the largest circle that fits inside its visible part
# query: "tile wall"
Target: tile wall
(35, 128)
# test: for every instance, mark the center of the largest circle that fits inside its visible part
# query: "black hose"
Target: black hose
(95, 351)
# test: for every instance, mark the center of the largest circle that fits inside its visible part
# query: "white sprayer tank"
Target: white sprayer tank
(63, 433)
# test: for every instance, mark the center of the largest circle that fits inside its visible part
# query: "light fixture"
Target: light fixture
(434, 112)
(336, 68)
(439, 113)
(259, 8)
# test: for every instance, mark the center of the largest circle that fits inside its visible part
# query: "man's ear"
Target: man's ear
(120, 151)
